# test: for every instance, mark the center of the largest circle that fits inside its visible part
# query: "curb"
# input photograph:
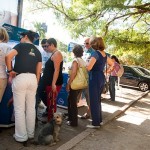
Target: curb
(70, 144)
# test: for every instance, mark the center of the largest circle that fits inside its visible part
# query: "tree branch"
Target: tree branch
(115, 18)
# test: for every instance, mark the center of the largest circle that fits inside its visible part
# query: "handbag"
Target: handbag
(106, 85)
(81, 79)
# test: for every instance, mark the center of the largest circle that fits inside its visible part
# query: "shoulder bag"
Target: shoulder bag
(81, 79)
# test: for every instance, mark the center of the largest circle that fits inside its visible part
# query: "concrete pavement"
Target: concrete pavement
(129, 131)
(71, 136)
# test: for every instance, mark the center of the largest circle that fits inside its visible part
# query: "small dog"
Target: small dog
(49, 133)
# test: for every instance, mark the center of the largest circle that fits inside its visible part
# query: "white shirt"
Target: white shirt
(4, 49)
(45, 57)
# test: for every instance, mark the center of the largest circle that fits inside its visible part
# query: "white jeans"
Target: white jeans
(24, 88)
(3, 84)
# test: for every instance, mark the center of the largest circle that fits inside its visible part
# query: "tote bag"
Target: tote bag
(81, 79)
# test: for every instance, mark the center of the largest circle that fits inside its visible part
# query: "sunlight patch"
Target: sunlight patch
(131, 119)
(109, 108)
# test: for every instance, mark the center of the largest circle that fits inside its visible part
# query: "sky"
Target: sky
(55, 30)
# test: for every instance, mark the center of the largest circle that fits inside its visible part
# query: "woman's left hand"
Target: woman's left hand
(53, 87)
(68, 88)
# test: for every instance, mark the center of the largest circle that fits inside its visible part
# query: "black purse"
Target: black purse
(106, 85)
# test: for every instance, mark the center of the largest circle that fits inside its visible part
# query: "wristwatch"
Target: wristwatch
(8, 71)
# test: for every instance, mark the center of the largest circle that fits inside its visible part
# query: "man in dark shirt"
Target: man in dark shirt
(26, 75)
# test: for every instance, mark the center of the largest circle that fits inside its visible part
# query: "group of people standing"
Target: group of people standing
(25, 76)
(27, 82)
(95, 63)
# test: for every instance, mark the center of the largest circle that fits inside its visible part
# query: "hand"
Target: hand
(9, 80)
(12, 74)
(68, 87)
(53, 87)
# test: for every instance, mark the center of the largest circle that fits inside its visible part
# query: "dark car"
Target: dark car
(132, 77)
(144, 70)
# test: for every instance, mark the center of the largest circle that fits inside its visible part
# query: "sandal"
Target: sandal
(85, 116)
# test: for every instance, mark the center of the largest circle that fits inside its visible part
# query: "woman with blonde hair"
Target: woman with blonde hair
(97, 79)
(4, 49)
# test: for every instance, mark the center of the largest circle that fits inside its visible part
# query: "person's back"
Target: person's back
(26, 75)
(27, 58)
(100, 63)
(96, 79)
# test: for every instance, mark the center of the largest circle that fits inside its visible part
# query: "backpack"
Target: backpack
(120, 71)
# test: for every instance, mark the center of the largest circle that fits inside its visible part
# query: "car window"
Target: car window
(145, 71)
(128, 71)
(139, 71)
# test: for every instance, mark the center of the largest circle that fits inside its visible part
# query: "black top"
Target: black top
(27, 58)
(49, 72)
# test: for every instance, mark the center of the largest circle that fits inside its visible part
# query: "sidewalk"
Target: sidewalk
(71, 136)
(128, 131)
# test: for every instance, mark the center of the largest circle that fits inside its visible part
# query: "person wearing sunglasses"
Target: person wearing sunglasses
(26, 74)
(52, 76)
(45, 54)
(41, 95)
(86, 55)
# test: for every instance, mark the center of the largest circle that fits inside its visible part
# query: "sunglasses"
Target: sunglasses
(44, 46)
(86, 43)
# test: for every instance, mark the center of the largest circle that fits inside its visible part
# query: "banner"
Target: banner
(14, 33)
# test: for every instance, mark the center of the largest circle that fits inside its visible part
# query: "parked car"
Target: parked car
(132, 77)
(144, 70)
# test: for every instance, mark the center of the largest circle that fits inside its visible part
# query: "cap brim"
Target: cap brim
(23, 33)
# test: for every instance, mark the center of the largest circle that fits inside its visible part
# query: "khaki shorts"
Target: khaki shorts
(3, 84)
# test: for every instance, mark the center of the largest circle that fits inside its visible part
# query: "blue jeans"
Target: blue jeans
(112, 80)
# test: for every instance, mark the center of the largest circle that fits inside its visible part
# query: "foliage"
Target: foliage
(124, 24)
(62, 47)
(39, 29)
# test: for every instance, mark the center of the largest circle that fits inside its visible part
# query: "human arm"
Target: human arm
(38, 70)
(8, 60)
(92, 61)
(73, 74)
(111, 65)
(57, 59)
(90, 64)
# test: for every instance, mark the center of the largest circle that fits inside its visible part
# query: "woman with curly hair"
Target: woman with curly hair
(73, 94)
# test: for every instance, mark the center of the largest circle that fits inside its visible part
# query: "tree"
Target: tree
(125, 24)
(40, 30)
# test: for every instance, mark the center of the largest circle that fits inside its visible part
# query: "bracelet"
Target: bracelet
(8, 71)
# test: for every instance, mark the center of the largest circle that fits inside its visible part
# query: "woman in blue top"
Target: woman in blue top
(97, 79)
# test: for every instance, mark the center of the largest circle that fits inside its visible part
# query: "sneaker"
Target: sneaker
(69, 124)
(92, 127)
(24, 143)
(102, 123)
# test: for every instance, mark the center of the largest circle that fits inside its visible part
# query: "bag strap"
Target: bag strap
(118, 70)
(81, 68)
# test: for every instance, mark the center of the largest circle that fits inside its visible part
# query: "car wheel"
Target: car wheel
(143, 86)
